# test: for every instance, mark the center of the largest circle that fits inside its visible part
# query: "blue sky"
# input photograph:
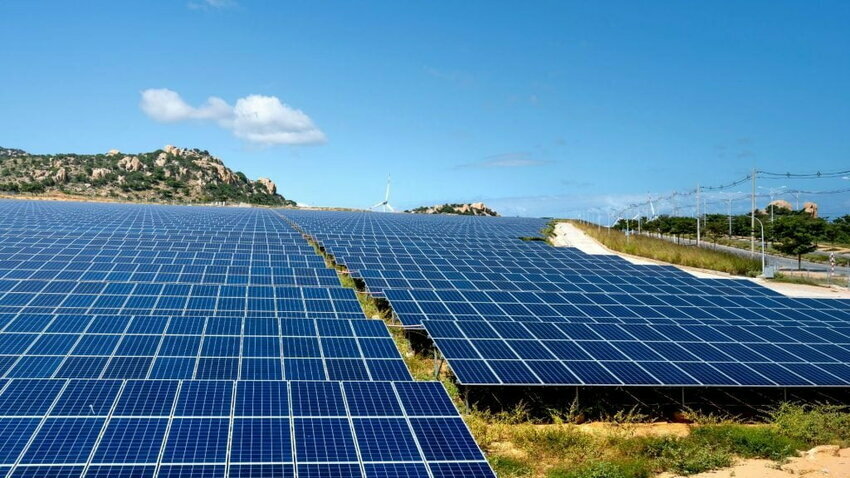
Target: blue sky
(537, 108)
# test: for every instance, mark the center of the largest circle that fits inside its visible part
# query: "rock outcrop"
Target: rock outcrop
(268, 184)
(98, 173)
(128, 163)
(61, 176)
(12, 152)
(810, 208)
(170, 174)
(780, 204)
(469, 209)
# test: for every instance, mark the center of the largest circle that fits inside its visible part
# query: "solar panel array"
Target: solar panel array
(508, 312)
(191, 341)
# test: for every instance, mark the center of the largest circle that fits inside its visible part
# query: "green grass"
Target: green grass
(519, 447)
(816, 424)
(665, 251)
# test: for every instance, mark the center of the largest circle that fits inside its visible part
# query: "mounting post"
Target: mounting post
(438, 363)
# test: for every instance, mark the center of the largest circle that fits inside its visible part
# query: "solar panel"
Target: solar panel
(509, 312)
(176, 425)
(170, 341)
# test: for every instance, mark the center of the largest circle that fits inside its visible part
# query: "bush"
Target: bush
(813, 424)
(605, 469)
(686, 456)
(749, 441)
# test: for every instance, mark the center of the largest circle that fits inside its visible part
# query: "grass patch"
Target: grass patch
(604, 469)
(665, 251)
(814, 424)
(507, 466)
(518, 446)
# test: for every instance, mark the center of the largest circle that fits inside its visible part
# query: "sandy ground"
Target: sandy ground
(823, 461)
(658, 429)
(568, 235)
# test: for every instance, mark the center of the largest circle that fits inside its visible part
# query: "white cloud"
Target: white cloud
(167, 106)
(256, 119)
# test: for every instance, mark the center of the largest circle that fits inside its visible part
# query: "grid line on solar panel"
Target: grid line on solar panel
(423, 400)
(173, 439)
(578, 354)
(351, 348)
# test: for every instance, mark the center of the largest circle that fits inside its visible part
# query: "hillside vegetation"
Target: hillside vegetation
(165, 175)
(470, 209)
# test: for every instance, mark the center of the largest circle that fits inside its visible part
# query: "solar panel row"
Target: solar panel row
(170, 427)
(505, 311)
(171, 341)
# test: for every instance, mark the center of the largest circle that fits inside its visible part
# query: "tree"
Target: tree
(716, 226)
(796, 235)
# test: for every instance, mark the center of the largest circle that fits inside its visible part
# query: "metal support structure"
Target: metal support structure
(438, 363)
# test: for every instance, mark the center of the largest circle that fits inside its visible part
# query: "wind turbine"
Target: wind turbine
(386, 202)
(651, 208)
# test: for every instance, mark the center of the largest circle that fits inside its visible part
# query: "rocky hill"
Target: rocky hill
(471, 209)
(164, 175)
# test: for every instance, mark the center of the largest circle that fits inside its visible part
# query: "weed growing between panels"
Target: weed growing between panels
(646, 404)
(631, 448)
(415, 346)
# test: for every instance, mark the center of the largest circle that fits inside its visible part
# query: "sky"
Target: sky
(537, 108)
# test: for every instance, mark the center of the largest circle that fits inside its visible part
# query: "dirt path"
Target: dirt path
(568, 235)
(820, 462)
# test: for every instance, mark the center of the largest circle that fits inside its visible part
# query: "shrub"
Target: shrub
(813, 424)
(605, 469)
(749, 441)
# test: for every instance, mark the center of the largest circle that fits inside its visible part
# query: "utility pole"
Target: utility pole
(729, 206)
(698, 231)
(753, 217)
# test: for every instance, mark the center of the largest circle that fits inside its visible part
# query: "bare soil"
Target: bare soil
(819, 462)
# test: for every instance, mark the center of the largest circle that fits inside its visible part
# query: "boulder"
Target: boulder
(267, 183)
(130, 163)
(781, 204)
(98, 173)
(161, 159)
(113, 152)
(61, 176)
(811, 208)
